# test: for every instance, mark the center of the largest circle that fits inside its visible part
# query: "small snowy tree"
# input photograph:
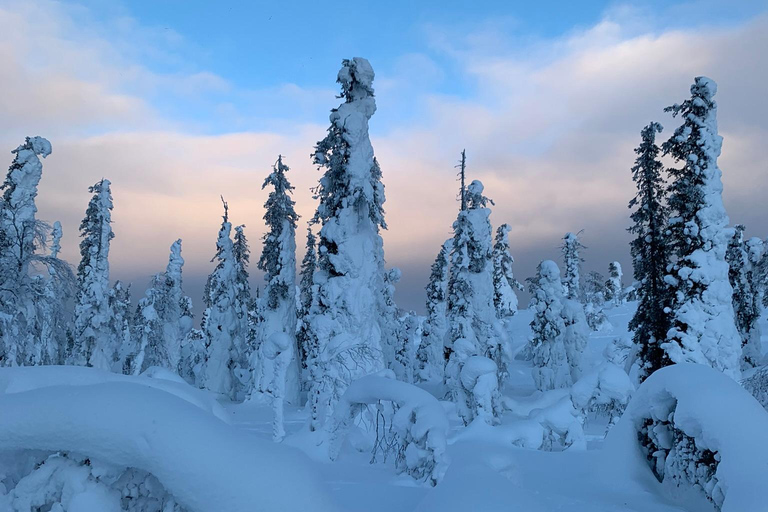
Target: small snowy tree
(614, 290)
(550, 364)
(571, 250)
(594, 301)
(504, 282)
(345, 317)
(746, 301)
(650, 255)
(94, 345)
(120, 327)
(473, 328)
(703, 328)
(430, 355)
(246, 341)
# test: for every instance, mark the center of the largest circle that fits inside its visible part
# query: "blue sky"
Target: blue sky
(179, 102)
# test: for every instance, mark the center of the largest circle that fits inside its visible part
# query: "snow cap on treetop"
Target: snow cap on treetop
(550, 270)
(705, 87)
(39, 145)
(475, 188)
(356, 78)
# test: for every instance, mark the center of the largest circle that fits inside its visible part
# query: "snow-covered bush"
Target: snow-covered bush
(549, 423)
(419, 423)
(698, 430)
(606, 391)
(757, 384)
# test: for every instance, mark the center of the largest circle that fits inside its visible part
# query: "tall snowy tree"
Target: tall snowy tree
(473, 328)
(650, 255)
(594, 301)
(703, 328)
(572, 259)
(279, 375)
(431, 352)
(221, 325)
(308, 265)
(504, 282)
(20, 234)
(345, 318)
(550, 364)
(613, 288)
(741, 258)
(93, 344)
(245, 344)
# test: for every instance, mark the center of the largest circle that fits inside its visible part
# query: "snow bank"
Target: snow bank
(207, 465)
(706, 428)
(27, 378)
(419, 420)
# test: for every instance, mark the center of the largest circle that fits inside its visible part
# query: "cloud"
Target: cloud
(549, 126)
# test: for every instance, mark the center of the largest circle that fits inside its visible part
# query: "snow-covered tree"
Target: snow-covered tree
(650, 255)
(473, 328)
(430, 355)
(245, 343)
(575, 336)
(393, 330)
(345, 317)
(93, 344)
(121, 327)
(20, 235)
(221, 325)
(306, 281)
(703, 327)
(594, 301)
(279, 369)
(614, 290)
(572, 259)
(504, 282)
(550, 363)
(405, 350)
(746, 301)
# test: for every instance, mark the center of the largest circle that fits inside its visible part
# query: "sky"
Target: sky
(181, 102)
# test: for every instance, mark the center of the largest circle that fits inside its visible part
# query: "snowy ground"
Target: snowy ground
(167, 430)
(486, 473)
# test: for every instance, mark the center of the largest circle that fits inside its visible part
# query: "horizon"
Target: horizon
(549, 112)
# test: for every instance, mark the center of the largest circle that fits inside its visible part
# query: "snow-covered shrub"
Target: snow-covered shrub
(66, 481)
(698, 431)
(757, 384)
(562, 426)
(419, 422)
(480, 382)
(605, 391)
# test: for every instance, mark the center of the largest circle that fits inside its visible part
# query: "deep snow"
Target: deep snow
(171, 430)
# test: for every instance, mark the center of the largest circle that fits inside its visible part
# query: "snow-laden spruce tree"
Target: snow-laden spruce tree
(614, 290)
(473, 328)
(93, 343)
(20, 234)
(430, 355)
(550, 364)
(650, 251)
(306, 282)
(703, 327)
(221, 326)
(245, 343)
(571, 249)
(576, 326)
(161, 321)
(594, 301)
(504, 282)
(279, 370)
(121, 328)
(53, 330)
(393, 329)
(345, 315)
(746, 301)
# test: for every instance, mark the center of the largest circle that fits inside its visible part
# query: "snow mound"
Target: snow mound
(419, 420)
(207, 465)
(706, 432)
(27, 378)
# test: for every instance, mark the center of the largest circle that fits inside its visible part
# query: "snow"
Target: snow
(719, 415)
(204, 463)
